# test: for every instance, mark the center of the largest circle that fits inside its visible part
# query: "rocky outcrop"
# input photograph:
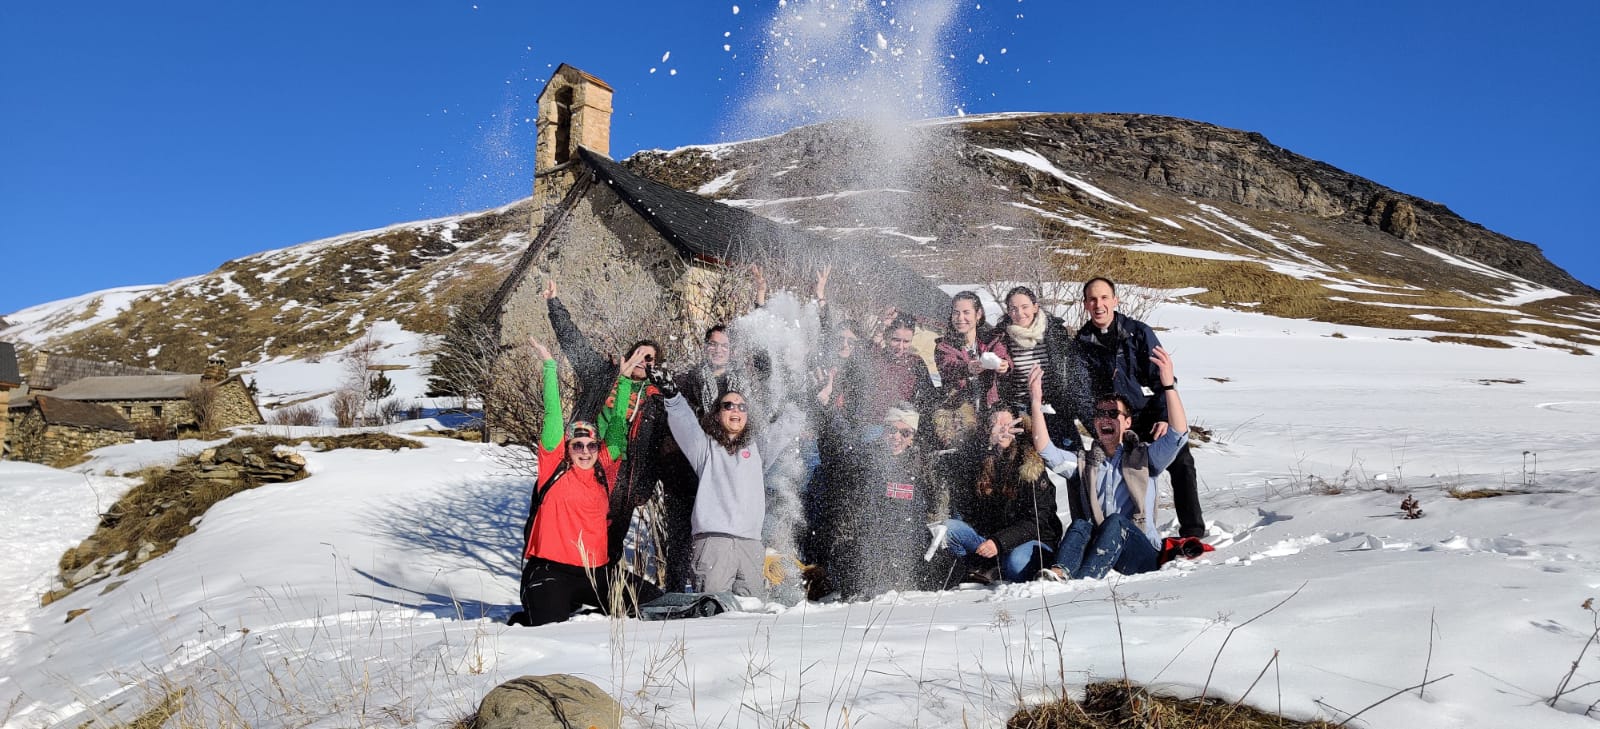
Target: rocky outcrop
(556, 701)
(1206, 161)
(230, 462)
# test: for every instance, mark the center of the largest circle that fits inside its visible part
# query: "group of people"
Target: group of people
(909, 483)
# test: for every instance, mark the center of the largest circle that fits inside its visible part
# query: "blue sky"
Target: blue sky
(144, 142)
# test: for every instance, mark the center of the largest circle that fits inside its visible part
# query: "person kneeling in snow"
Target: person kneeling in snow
(1117, 484)
(731, 504)
(565, 533)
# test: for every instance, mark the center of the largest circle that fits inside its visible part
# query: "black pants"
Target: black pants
(551, 591)
(1186, 495)
(678, 486)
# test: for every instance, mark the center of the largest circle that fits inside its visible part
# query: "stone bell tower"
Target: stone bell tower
(574, 110)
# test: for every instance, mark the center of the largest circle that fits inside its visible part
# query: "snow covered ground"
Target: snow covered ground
(374, 592)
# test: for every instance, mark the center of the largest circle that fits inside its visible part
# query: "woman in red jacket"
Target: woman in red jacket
(567, 517)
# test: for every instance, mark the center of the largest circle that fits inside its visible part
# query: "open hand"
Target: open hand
(549, 289)
(988, 549)
(544, 352)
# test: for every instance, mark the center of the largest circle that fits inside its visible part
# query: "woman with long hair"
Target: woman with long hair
(731, 506)
(1006, 522)
(964, 375)
(565, 535)
(1032, 338)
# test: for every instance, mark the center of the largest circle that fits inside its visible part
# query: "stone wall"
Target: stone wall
(177, 414)
(58, 445)
(234, 406)
(5, 422)
(613, 271)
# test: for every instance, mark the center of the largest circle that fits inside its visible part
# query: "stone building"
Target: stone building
(58, 432)
(176, 402)
(630, 255)
(10, 379)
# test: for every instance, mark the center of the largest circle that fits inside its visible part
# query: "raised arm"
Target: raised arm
(587, 363)
(614, 421)
(1177, 419)
(552, 431)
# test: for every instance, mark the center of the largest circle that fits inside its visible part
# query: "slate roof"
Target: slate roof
(128, 387)
(57, 411)
(8, 365)
(59, 370)
(701, 227)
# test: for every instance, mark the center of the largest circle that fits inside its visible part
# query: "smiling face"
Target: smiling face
(1022, 309)
(1111, 421)
(964, 317)
(899, 435)
(583, 452)
(847, 343)
(733, 413)
(642, 369)
(1101, 304)
(718, 350)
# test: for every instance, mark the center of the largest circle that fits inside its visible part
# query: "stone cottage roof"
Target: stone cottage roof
(704, 228)
(9, 376)
(128, 387)
(53, 370)
(57, 411)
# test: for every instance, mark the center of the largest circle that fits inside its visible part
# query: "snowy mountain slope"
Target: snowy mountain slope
(354, 597)
(1152, 200)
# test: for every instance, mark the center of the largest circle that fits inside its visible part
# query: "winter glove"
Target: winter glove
(662, 381)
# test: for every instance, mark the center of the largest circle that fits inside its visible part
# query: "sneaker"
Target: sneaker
(1052, 574)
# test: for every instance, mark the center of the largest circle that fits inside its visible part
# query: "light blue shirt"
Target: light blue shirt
(1113, 489)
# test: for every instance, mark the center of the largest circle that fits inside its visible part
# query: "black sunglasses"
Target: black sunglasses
(585, 446)
(731, 405)
(1108, 412)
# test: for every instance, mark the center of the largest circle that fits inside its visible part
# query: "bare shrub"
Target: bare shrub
(302, 414)
(152, 429)
(391, 410)
(346, 405)
(202, 399)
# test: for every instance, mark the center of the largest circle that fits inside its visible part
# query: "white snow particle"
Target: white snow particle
(672, 72)
(652, 70)
(981, 59)
(882, 42)
(736, 10)
(665, 56)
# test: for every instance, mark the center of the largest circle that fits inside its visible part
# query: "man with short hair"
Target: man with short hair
(1116, 351)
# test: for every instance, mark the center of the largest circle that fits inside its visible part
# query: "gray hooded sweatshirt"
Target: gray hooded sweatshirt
(732, 498)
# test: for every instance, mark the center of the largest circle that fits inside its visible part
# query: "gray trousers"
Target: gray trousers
(722, 563)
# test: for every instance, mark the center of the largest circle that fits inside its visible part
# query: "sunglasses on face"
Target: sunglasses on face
(585, 446)
(1112, 413)
(731, 405)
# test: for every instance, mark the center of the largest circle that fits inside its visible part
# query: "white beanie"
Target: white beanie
(903, 412)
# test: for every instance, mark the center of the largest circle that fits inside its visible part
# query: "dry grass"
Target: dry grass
(1465, 494)
(1114, 705)
(1231, 283)
(1474, 341)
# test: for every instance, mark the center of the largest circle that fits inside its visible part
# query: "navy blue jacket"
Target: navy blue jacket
(1126, 368)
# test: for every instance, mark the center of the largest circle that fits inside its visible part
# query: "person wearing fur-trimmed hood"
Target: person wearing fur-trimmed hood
(1005, 523)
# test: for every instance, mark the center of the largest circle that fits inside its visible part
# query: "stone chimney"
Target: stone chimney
(216, 370)
(574, 111)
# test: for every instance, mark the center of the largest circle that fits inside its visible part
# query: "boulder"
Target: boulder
(556, 701)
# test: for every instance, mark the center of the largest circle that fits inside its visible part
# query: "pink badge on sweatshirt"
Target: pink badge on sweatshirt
(744, 453)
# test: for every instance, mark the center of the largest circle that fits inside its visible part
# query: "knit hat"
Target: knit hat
(582, 429)
(903, 412)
